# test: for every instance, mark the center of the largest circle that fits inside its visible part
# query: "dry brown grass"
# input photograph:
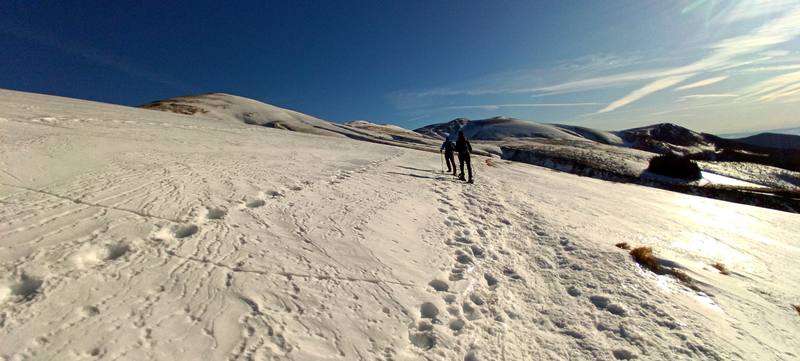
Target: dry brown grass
(721, 268)
(623, 245)
(645, 257)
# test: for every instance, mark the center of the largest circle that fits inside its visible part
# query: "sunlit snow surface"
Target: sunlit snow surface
(133, 234)
(712, 178)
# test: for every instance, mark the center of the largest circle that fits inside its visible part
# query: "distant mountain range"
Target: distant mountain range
(504, 128)
(790, 131)
(773, 140)
(781, 150)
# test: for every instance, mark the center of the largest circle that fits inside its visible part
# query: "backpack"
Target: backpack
(463, 147)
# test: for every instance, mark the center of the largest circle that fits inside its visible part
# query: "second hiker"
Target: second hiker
(464, 149)
(448, 147)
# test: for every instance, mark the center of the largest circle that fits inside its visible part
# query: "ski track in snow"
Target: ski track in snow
(176, 238)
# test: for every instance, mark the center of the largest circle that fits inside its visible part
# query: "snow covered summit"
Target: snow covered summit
(497, 128)
(240, 109)
(232, 108)
(502, 128)
(668, 137)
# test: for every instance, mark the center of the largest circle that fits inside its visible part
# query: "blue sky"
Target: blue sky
(711, 65)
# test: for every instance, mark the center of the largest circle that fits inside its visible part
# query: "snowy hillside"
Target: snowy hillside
(755, 173)
(502, 128)
(393, 132)
(665, 138)
(129, 234)
(580, 157)
(236, 109)
(240, 109)
(385, 128)
(596, 135)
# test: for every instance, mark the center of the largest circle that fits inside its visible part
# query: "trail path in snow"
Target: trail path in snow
(134, 234)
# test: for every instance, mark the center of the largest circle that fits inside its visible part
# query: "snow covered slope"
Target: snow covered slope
(665, 138)
(393, 132)
(497, 128)
(127, 234)
(762, 175)
(236, 109)
(597, 135)
(505, 128)
(580, 157)
(240, 109)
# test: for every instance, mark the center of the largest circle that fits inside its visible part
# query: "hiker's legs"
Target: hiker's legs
(451, 163)
(469, 168)
(461, 160)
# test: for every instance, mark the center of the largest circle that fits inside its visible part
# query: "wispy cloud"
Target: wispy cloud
(749, 9)
(781, 86)
(743, 52)
(520, 105)
(707, 96)
(646, 90)
(702, 83)
(600, 82)
(534, 81)
(772, 68)
(725, 52)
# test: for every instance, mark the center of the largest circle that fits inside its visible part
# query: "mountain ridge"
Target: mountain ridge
(659, 138)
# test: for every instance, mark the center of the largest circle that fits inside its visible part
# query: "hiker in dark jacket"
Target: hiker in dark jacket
(447, 148)
(464, 149)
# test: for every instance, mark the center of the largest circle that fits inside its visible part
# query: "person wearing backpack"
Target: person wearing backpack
(464, 149)
(447, 148)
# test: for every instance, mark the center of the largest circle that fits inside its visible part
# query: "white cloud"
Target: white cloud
(532, 81)
(760, 46)
(704, 82)
(707, 96)
(751, 9)
(646, 90)
(725, 53)
(776, 53)
(601, 82)
(520, 105)
(772, 68)
(778, 87)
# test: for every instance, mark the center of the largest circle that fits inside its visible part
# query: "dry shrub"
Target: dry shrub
(721, 268)
(644, 256)
(623, 245)
(672, 165)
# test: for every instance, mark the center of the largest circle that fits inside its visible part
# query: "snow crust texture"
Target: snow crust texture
(128, 234)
